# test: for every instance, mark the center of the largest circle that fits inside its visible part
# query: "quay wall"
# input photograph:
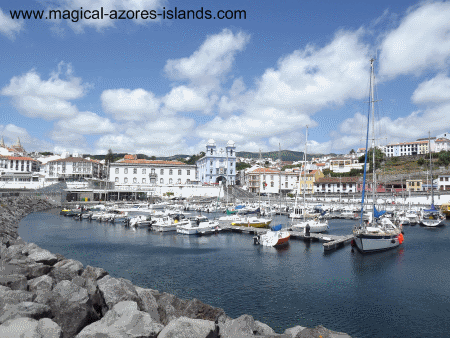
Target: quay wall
(43, 295)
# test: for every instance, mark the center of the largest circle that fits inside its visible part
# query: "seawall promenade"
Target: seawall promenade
(43, 295)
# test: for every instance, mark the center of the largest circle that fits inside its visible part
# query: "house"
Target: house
(414, 185)
(443, 182)
(442, 144)
(344, 164)
(336, 185)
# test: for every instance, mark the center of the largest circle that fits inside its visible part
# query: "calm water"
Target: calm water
(400, 293)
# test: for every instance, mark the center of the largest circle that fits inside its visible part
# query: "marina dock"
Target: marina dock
(330, 242)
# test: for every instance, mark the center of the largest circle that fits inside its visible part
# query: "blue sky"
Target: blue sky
(164, 87)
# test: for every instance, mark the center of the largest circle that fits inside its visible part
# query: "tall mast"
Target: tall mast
(431, 170)
(372, 104)
(304, 176)
(279, 185)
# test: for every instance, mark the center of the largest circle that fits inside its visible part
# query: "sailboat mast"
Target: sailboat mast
(304, 176)
(372, 104)
(431, 170)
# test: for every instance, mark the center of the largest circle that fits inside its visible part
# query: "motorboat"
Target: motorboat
(275, 237)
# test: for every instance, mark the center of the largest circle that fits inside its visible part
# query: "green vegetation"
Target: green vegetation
(46, 153)
(421, 161)
(193, 158)
(444, 158)
(242, 166)
(109, 158)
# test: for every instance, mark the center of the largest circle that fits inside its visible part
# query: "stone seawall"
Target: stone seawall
(45, 295)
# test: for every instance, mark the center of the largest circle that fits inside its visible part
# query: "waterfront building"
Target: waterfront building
(442, 144)
(336, 185)
(414, 185)
(218, 165)
(132, 172)
(344, 164)
(443, 182)
(418, 147)
(16, 170)
(74, 169)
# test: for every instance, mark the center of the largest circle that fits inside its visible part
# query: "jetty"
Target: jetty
(330, 242)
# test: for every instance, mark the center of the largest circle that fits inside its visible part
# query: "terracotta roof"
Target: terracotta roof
(337, 180)
(130, 157)
(320, 164)
(152, 162)
(442, 140)
(21, 158)
(264, 170)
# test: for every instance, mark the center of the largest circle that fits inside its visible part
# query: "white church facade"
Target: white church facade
(218, 165)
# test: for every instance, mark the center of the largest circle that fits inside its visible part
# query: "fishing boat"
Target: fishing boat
(199, 224)
(168, 223)
(275, 237)
(255, 222)
(376, 233)
(431, 217)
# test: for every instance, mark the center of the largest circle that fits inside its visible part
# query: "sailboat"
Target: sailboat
(377, 233)
(431, 217)
(317, 224)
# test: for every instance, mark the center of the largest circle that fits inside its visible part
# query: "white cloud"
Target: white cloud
(9, 27)
(11, 132)
(434, 91)
(108, 5)
(421, 41)
(185, 99)
(47, 99)
(211, 61)
(130, 105)
(87, 123)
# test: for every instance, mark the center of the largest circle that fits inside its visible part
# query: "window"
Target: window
(144, 180)
(271, 177)
(231, 171)
(161, 171)
(117, 180)
(179, 171)
(170, 172)
(217, 171)
(210, 171)
(145, 171)
(135, 171)
(211, 151)
(188, 172)
(231, 152)
(125, 171)
(179, 181)
(272, 184)
(134, 180)
(125, 180)
(210, 163)
(153, 171)
(170, 181)
(117, 170)
(161, 181)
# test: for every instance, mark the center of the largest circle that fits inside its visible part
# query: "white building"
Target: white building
(336, 185)
(344, 164)
(217, 165)
(408, 148)
(73, 168)
(442, 144)
(132, 172)
(443, 182)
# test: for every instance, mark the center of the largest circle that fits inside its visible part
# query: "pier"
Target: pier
(330, 242)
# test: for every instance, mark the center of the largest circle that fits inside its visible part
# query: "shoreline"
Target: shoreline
(42, 291)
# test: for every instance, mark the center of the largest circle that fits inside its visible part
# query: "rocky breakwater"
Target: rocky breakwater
(45, 295)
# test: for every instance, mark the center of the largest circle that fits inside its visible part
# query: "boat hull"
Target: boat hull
(374, 243)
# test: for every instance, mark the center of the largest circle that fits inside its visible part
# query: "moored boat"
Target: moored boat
(275, 237)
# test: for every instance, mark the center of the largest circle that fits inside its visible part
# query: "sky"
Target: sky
(166, 86)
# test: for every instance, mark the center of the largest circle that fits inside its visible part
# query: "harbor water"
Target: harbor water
(399, 293)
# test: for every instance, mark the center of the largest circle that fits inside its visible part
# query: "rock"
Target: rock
(262, 329)
(13, 251)
(44, 283)
(8, 296)
(198, 310)
(14, 281)
(28, 248)
(66, 270)
(115, 290)
(123, 320)
(98, 302)
(25, 309)
(320, 332)
(71, 307)
(184, 327)
(294, 331)
(43, 256)
(30, 328)
(149, 303)
(244, 326)
(93, 273)
(49, 329)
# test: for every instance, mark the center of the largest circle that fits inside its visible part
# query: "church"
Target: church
(218, 165)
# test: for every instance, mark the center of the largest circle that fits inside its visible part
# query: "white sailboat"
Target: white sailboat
(377, 233)
(431, 217)
(316, 224)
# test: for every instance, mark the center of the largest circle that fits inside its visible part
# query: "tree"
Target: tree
(242, 166)
(421, 161)
(352, 151)
(444, 158)
(109, 158)
(153, 158)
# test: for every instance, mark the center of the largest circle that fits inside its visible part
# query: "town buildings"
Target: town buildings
(218, 165)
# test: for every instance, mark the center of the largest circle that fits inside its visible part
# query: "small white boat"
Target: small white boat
(315, 225)
(275, 237)
(168, 223)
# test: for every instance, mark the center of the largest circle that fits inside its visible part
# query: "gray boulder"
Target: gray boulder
(29, 267)
(43, 283)
(13, 251)
(97, 300)
(116, 290)
(24, 309)
(184, 327)
(294, 331)
(320, 332)
(28, 247)
(245, 326)
(123, 320)
(30, 328)
(93, 273)
(71, 307)
(149, 303)
(66, 270)
(8, 296)
(262, 329)
(42, 256)
(14, 281)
